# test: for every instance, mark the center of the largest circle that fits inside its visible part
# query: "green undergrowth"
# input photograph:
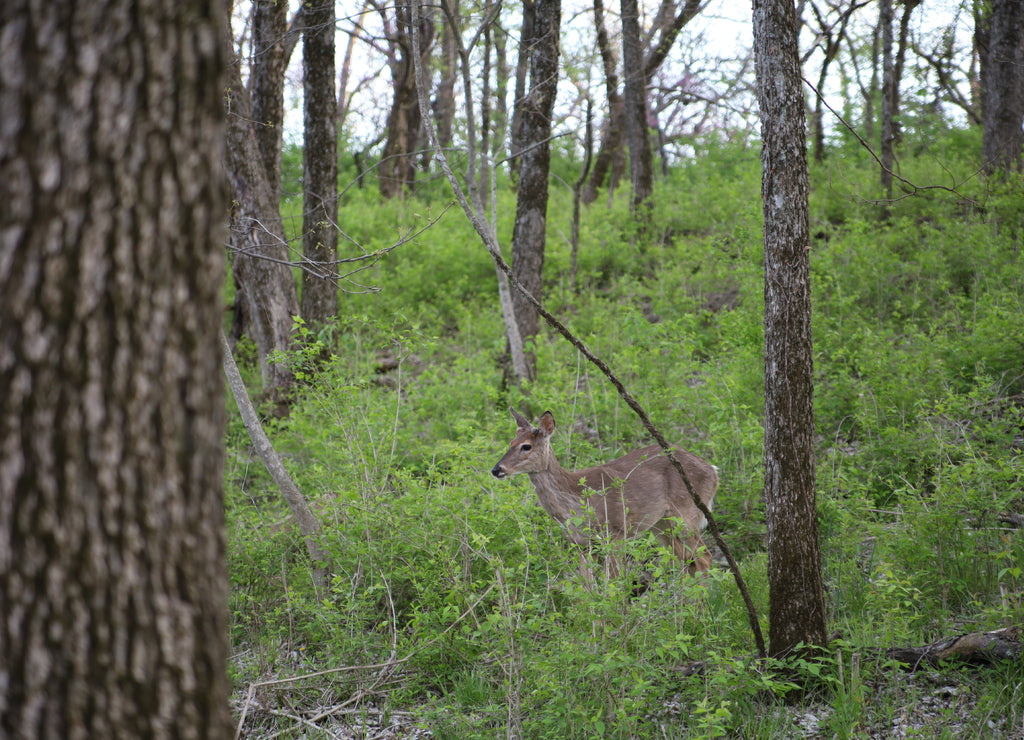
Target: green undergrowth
(471, 594)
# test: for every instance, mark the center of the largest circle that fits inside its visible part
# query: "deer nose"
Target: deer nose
(497, 472)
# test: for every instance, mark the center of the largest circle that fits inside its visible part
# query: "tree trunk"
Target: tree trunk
(888, 98)
(634, 87)
(1002, 137)
(398, 160)
(796, 594)
(608, 161)
(113, 581)
(529, 231)
(257, 242)
(526, 34)
(269, 26)
(609, 164)
(319, 164)
(444, 102)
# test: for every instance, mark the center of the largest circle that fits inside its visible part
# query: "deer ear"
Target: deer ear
(547, 424)
(520, 420)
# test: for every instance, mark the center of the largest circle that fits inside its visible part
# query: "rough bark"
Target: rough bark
(397, 169)
(256, 240)
(975, 648)
(796, 594)
(113, 582)
(1003, 137)
(319, 164)
(269, 26)
(634, 88)
(529, 231)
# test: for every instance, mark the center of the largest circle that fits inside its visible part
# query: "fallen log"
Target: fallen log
(975, 648)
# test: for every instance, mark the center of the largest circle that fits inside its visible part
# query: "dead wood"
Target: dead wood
(975, 648)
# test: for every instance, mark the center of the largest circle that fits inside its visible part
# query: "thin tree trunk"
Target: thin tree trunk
(474, 204)
(609, 150)
(796, 594)
(309, 525)
(444, 105)
(634, 86)
(113, 582)
(319, 164)
(888, 98)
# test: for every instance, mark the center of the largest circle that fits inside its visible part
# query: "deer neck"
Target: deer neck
(558, 490)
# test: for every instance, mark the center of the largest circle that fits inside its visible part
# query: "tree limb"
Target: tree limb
(309, 525)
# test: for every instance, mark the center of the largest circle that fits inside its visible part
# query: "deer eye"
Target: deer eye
(525, 448)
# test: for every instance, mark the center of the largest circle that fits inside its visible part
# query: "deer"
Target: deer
(636, 493)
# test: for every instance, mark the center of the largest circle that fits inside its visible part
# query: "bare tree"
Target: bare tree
(319, 163)
(829, 38)
(113, 581)
(671, 17)
(796, 594)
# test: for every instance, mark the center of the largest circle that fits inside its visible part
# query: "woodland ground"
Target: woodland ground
(457, 610)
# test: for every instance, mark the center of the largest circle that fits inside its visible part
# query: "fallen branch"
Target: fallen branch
(975, 648)
(307, 521)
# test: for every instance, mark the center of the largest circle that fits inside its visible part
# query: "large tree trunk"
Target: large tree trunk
(796, 594)
(1002, 137)
(319, 164)
(257, 241)
(528, 233)
(634, 86)
(113, 582)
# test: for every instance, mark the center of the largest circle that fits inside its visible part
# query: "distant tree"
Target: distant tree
(319, 164)
(528, 232)
(634, 85)
(113, 581)
(269, 62)
(796, 594)
(444, 100)
(830, 32)
(1003, 115)
(397, 169)
(669, 20)
(265, 289)
(889, 91)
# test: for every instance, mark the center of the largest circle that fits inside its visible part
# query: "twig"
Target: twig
(914, 189)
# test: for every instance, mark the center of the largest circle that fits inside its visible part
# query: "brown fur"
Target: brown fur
(623, 498)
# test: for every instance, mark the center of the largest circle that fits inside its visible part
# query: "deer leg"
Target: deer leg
(692, 554)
